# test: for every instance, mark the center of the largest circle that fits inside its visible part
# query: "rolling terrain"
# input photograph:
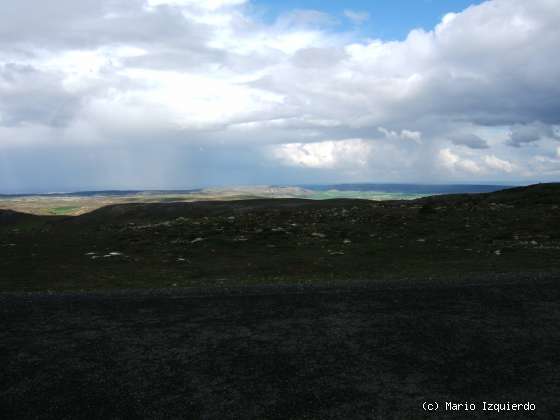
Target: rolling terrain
(278, 241)
(77, 203)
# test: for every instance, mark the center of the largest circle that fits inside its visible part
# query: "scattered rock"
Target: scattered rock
(335, 252)
(110, 255)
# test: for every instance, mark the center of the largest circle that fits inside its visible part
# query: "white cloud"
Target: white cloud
(415, 136)
(454, 162)
(204, 4)
(325, 154)
(499, 164)
(356, 17)
(470, 166)
(448, 158)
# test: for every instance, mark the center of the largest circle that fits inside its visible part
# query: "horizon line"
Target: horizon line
(233, 186)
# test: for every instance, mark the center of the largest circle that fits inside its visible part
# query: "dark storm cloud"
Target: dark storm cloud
(530, 133)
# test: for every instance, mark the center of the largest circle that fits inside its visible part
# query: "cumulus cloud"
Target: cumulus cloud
(455, 163)
(325, 154)
(475, 165)
(499, 164)
(170, 87)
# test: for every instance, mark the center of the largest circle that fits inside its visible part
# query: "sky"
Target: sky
(387, 20)
(139, 94)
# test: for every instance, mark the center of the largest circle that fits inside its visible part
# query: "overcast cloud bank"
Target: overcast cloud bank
(182, 93)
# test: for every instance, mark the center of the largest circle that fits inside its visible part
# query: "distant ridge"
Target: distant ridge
(102, 193)
(411, 188)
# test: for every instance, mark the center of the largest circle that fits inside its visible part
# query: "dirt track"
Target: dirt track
(372, 352)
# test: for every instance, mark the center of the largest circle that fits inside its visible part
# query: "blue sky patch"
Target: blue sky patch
(387, 20)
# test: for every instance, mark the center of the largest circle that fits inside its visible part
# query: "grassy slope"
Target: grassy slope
(269, 241)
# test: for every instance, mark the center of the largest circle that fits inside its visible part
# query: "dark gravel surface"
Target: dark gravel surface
(357, 352)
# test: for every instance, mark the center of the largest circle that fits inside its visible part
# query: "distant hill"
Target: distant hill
(10, 217)
(410, 188)
(546, 193)
(103, 193)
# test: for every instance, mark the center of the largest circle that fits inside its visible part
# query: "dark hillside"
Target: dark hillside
(533, 194)
(548, 193)
(10, 217)
(136, 212)
(277, 241)
(14, 218)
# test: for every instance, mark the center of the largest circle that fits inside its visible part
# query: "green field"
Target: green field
(63, 210)
(365, 195)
